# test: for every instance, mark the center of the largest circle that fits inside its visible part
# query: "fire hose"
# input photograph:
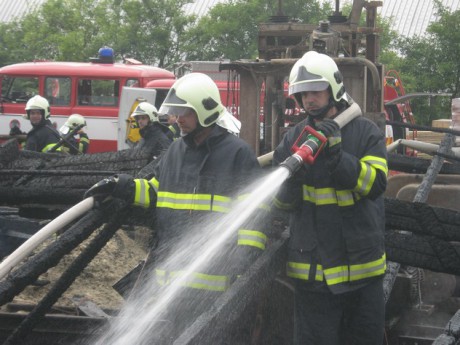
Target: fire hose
(316, 141)
(29, 246)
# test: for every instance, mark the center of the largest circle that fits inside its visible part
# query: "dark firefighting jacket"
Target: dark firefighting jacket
(337, 221)
(154, 138)
(195, 183)
(42, 138)
(77, 146)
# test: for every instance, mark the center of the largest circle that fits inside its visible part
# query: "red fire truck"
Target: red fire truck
(91, 89)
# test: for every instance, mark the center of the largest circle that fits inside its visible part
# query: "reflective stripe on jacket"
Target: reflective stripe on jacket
(42, 138)
(193, 184)
(337, 221)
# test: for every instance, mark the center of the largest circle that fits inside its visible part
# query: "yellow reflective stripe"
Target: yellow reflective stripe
(221, 203)
(343, 274)
(327, 196)
(344, 198)
(366, 179)
(195, 280)
(262, 206)
(141, 194)
(336, 275)
(302, 271)
(371, 269)
(252, 238)
(84, 140)
(377, 163)
(155, 184)
(50, 146)
(201, 202)
(160, 276)
(282, 205)
(197, 202)
(334, 141)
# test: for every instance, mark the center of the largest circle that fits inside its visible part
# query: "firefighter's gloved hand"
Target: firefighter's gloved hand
(333, 150)
(328, 127)
(117, 186)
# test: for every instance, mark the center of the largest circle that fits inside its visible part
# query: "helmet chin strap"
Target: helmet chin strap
(321, 112)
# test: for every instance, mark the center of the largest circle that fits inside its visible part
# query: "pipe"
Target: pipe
(43, 234)
(420, 146)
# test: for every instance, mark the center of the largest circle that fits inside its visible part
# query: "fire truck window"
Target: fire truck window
(98, 92)
(19, 89)
(132, 83)
(57, 90)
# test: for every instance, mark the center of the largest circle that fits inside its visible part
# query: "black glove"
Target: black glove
(119, 186)
(333, 150)
(328, 127)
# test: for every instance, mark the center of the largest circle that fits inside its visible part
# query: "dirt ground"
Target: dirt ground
(120, 255)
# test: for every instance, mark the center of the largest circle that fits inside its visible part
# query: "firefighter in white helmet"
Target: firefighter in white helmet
(336, 252)
(74, 126)
(154, 135)
(196, 181)
(43, 137)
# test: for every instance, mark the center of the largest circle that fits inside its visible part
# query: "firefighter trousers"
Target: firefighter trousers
(352, 318)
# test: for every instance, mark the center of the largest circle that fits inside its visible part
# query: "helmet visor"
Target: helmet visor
(308, 86)
(174, 110)
(64, 129)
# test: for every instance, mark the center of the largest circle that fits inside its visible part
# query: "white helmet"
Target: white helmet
(73, 122)
(145, 108)
(40, 103)
(316, 72)
(198, 92)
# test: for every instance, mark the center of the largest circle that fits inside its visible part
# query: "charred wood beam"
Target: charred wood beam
(71, 273)
(418, 165)
(55, 172)
(26, 274)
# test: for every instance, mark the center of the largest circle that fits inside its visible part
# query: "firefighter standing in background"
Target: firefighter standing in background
(154, 135)
(336, 251)
(196, 179)
(43, 136)
(75, 123)
(173, 127)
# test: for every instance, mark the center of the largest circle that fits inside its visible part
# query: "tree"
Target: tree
(74, 30)
(430, 64)
(229, 31)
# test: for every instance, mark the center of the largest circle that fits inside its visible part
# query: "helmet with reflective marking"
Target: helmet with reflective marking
(74, 121)
(316, 72)
(198, 92)
(145, 108)
(40, 103)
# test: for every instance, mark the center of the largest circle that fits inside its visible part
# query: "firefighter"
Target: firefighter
(173, 127)
(196, 180)
(154, 135)
(75, 123)
(43, 136)
(336, 253)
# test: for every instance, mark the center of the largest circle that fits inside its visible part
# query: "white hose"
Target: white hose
(43, 234)
(348, 114)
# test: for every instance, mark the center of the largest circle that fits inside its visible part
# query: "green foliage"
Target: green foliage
(219, 36)
(430, 64)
